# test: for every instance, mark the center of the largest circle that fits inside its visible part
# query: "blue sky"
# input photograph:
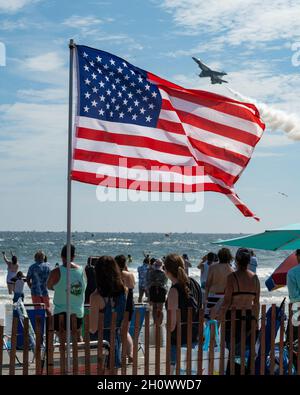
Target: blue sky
(253, 42)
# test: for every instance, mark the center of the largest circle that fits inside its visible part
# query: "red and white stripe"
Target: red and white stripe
(195, 128)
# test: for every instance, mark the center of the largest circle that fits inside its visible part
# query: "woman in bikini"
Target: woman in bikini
(242, 292)
(12, 269)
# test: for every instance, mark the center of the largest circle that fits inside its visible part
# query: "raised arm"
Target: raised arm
(6, 260)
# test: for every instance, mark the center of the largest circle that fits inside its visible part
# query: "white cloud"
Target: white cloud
(20, 24)
(238, 21)
(87, 26)
(46, 68)
(50, 61)
(33, 137)
(11, 6)
(45, 95)
(77, 21)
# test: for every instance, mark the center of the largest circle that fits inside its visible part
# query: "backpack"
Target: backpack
(194, 300)
(195, 297)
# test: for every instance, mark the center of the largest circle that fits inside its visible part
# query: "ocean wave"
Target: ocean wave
(117, 239)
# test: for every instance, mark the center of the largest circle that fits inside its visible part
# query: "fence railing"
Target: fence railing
(241, 345)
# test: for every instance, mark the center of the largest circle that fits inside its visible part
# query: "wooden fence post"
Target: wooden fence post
(25, 346)
(272, 350)
(222, 367)
(147, 343)
(252, 344)
(100, 365)
(168, 343)
(38, 336)
(243, 342)
(50, 348)
(62, 344)
(211, 354)
(87, 346)
(124, 332)
(291, 334)
(178, 341)
(112, 362)
(136, 342)
(200, 341)
(189, 341)
(74, 343)
(281, 344)
(13, 351)
(157, 347)
(263, 340)
(232, 341)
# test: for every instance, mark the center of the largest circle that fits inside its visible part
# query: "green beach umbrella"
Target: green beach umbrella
(286, 238)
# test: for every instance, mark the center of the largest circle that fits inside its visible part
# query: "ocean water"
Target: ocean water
(25, 244)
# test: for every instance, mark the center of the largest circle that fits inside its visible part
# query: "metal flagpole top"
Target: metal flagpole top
(69, 205)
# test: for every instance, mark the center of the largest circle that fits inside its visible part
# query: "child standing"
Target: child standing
(19, 281)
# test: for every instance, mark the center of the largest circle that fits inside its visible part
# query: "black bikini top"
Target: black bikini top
(241, 292)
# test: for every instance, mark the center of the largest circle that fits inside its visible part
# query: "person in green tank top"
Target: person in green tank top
(57, 281)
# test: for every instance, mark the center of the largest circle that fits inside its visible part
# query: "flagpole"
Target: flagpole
(69, 204)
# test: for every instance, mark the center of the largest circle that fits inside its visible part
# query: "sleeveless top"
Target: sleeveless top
(78, 286)
(195, 293)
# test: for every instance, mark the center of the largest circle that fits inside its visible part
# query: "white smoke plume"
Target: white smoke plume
(273, 118)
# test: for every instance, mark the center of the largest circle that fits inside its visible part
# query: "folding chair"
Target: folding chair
(142, 308)
(19, 311)
(81, 344)
(22, 313)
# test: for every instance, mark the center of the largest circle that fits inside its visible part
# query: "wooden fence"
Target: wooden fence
(153, 357)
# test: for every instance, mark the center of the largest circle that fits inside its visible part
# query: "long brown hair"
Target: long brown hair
(174, 264)
(108, 277)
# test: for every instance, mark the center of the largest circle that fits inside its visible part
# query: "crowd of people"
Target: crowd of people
(107, 285)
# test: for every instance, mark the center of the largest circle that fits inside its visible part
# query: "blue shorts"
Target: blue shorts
(17, 296)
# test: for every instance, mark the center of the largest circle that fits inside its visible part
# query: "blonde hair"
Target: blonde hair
(174, 264)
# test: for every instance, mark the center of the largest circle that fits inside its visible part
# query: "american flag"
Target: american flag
(128, 118)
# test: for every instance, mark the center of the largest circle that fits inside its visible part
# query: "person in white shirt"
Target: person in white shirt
(19, 282)
(203, 266)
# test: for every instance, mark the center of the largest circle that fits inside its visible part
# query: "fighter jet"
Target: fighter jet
(283, 194)
(215, 76)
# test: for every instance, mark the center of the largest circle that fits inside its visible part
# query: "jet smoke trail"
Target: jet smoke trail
(273, 118)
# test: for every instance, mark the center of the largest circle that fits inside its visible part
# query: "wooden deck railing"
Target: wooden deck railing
(154, 357)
